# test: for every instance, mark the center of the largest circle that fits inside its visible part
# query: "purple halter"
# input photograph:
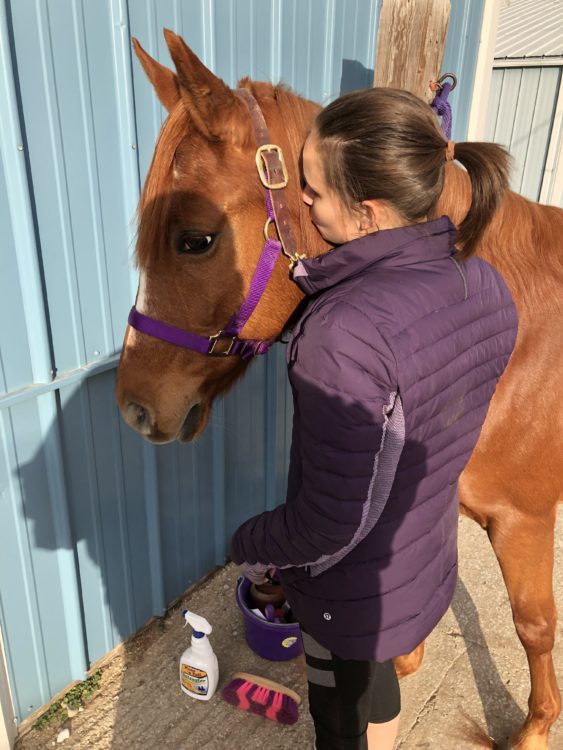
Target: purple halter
(273, 175)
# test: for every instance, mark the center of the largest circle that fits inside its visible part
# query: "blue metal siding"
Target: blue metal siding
(15, 365)
(39, 618)
(460, 57)
(71, 114)
(98, 529)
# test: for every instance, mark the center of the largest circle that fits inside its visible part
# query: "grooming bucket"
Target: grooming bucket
(270, 640)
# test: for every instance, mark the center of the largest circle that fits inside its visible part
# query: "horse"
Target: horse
(201, 229)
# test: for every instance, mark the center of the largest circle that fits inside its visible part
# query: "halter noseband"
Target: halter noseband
(273, 175)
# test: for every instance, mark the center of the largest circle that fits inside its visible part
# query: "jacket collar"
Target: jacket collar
(387, 248)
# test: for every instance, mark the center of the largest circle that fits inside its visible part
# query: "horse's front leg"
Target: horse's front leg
(409, 663)
(523, 544)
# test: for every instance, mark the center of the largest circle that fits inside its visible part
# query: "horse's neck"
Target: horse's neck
(289, 118)
(522, 241)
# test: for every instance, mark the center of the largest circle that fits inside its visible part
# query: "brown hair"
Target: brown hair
(386, 143)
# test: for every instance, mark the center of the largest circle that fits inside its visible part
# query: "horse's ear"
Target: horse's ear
(165, 82)
(215, 110)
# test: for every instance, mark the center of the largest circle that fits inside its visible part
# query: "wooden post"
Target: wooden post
(410, 44)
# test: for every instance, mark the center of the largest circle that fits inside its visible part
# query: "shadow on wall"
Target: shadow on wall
(142, 519)
(108, 514)
(355, 76)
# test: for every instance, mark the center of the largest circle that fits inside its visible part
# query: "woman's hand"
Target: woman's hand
(256, 573)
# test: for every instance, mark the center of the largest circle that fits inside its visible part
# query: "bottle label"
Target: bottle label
(195, 680)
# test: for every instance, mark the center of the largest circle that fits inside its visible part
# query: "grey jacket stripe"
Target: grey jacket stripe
(383, 476)
(320, 677)
(463, 276)
(312, 648)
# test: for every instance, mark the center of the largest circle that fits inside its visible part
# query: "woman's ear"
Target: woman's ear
(378, 214)
(371, 216)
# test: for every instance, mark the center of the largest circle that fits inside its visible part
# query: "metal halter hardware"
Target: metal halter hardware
(267, 148)
(273, 175)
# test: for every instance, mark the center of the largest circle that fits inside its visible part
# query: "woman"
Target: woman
(392, 366)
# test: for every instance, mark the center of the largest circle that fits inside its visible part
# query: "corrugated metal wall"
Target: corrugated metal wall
(460, 57)
(99, 530)
(521, 116)
(525, 110)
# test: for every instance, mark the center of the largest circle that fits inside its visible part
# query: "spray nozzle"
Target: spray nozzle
(199, 624)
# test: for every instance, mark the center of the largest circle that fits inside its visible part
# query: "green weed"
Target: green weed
(74, 699)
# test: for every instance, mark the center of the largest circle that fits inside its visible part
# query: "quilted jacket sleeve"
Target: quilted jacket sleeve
(348, 426)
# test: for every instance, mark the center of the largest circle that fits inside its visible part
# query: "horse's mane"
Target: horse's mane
(523, 241)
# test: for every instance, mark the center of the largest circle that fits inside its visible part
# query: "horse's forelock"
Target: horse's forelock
(155, 202)
(282, 108)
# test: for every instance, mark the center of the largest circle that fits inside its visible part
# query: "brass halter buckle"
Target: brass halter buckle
(261, 162)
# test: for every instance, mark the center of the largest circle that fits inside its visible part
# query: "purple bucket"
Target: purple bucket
(275, 641)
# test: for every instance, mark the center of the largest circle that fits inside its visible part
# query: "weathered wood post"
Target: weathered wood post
(410, 44)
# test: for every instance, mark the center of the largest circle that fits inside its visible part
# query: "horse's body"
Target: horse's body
(203, 184)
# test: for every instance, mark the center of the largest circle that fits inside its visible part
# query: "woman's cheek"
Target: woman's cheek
(314, 214)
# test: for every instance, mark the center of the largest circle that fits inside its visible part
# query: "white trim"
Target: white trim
(528, 62)
(552, 181)
(483, 71)
(8, 731)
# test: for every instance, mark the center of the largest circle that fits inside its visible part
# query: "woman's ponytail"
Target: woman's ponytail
(488, 167)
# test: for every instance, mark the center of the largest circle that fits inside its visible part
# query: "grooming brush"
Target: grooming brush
(263, 697)
(270, 592)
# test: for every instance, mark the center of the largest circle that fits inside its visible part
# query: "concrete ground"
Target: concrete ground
(473, 684)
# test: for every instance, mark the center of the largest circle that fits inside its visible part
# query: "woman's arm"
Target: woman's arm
(351, 434)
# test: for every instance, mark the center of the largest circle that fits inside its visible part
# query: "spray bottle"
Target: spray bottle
(199, 670)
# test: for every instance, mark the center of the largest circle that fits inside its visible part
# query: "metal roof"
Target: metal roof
(530, 29)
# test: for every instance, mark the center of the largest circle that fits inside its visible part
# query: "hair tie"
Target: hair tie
(450, 148)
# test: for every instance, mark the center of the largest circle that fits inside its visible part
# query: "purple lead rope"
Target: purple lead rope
(442, 108)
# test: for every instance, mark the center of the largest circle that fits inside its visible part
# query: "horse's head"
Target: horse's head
(201, 222)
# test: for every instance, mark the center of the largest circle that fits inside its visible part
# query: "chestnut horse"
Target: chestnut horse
(201, 223)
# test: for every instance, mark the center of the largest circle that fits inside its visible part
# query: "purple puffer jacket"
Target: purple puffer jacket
(392, 366)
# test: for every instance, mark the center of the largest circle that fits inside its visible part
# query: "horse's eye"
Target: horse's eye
(194, 244)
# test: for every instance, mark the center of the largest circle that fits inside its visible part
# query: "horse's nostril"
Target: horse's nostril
(139, 418)
(141, 415)
(191, 424)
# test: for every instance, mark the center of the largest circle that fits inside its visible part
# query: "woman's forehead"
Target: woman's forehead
(311, 162)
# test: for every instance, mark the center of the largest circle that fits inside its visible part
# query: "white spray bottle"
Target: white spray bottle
(199, 669)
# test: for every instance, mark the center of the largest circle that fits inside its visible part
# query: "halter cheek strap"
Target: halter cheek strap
(273, 175)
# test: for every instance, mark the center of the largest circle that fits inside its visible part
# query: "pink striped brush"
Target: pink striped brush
(263, 697)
